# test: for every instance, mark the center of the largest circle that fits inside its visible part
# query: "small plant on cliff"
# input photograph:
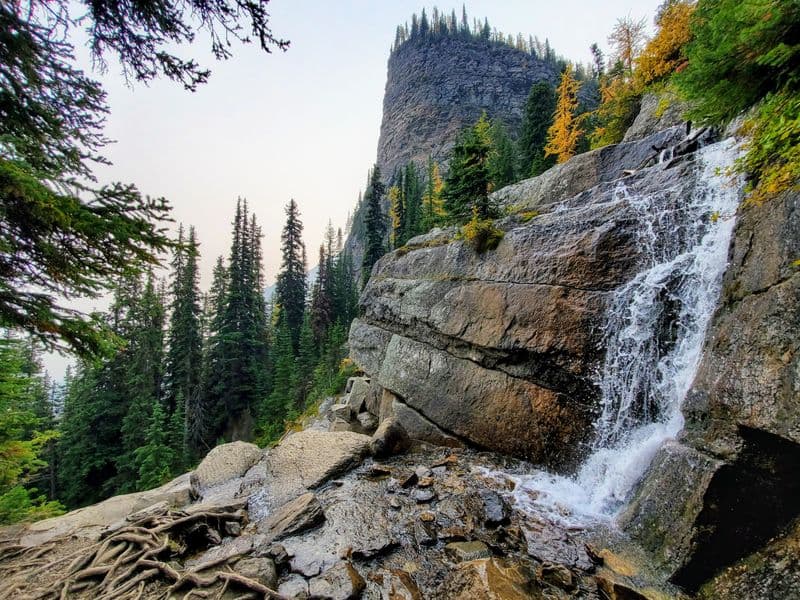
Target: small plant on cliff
(481, 234)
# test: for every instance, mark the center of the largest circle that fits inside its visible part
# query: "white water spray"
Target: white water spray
(654, 335)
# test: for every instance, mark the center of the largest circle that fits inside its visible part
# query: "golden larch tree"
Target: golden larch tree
(564, 133)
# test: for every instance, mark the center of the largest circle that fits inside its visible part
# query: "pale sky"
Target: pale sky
(302, 124)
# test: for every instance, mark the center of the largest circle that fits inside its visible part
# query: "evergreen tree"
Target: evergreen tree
(432, 203)
(466, 188)
(185, 344)
(141, 366)
(155, 456)
(396, 216)
(321, 309)
(539, 110)
(290, 290)
(204, 416)
(564, 133)
(502, 158)
(23, 437)
(375, 224)
(412, 200)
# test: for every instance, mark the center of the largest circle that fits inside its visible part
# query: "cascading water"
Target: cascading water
(654, 335)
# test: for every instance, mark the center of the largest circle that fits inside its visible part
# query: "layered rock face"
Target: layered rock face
(437, 86)
(500, 349)
(730, 484)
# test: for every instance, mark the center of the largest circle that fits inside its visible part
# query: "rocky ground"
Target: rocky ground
(325, 514)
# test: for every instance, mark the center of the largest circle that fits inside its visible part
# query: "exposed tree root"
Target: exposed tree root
(133, 562)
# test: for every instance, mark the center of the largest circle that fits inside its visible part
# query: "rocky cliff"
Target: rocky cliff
(500, 349)
(436, 86)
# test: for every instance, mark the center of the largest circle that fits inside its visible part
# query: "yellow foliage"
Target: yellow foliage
(564, 133)
(481, 234)
(665, 54)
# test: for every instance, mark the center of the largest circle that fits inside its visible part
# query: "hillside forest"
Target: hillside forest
(170, 370)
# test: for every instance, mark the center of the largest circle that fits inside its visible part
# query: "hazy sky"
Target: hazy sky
(302, 124)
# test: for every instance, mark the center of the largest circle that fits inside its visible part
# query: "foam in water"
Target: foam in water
(654, 336)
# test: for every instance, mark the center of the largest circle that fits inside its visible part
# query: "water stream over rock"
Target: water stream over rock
(654, 336)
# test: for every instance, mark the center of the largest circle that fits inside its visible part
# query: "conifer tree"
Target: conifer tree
(290, 291)
(185, 344)
(502, 158)
(432, 203)
(396, 216)
(539, 110)
(375, 225)
(412, 200)
(155, 456)
(466, 188)
(563, 134)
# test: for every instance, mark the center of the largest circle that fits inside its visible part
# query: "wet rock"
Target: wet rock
(394, 503)
(427, 517)
(425, 482)
(448, 461)
(295, 587)
(464, 551)
(617, 590)
(409, 481)
(397, 584)
(419, 427)
(224, 463)
(308, 458)
(489, 579)
(424, 533)
(389, 439)
(342, 582)
(259, 569)
(558, 576)
(293, 517)
(495, 509)
(422, 472)
(424, 495)
(277, 552)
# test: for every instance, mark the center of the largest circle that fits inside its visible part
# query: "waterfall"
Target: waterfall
(654, 334)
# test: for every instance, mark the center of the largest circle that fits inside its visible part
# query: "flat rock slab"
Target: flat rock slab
(293, 517)
(90, 521)
(463, 551)
(224, 463)
(309, 458)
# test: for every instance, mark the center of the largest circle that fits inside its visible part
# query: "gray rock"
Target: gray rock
(424, 495)
(259, 569)
(295, 587)
(496, 510)
(293, 517)
(464, 551)
(358, 394)
(339, 424)
(656, 113)
(368, 421)
(224, 463)
(390, 438)
(342, 582)
(340, 411)
(307, 459)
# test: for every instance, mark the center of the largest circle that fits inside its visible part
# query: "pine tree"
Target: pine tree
(502, 158)
(539, 110)
(432, 203)
(396, 216)
(564, 133)
(466, 188)
(375, 224)
(155, 456)
(290, 291)
(412, 199)
(185, 344)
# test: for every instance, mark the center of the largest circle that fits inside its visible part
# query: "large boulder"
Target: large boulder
(307, 459)
(224, 463)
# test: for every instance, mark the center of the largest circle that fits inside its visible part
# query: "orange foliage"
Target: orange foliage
(563, 135)
(666, 52)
